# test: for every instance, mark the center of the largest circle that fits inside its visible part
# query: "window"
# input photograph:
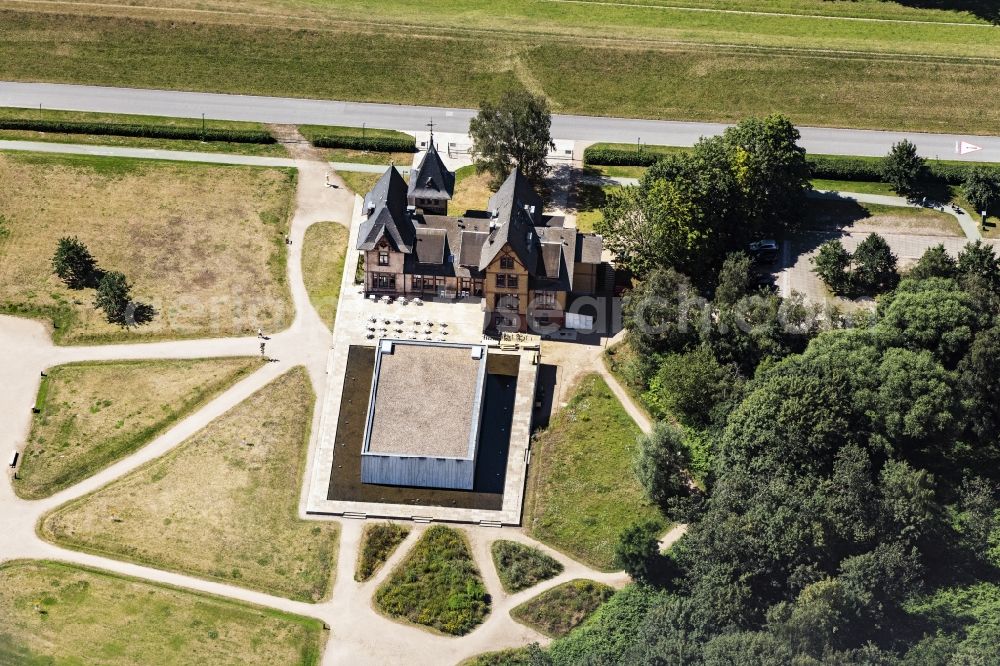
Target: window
(545, 300)
(507, 321)
(507, 302)
(507, 263)
(505, 281)
(383, 258)
(386, 281)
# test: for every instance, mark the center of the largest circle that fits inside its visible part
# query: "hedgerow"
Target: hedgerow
(378, 144)
(138, 130)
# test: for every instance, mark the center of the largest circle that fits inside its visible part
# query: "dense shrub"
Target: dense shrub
(604, 636)
(558, 611)
(378, 542)
(378, 144)
(520, 566)
(138, 130)
(618, 157)
(437, 585)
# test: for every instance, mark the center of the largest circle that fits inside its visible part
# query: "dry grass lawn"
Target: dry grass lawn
(867, 217)
(222, 505)
(323, 253)
(203, 244)
(472, 191)
(93, 414)
(55, 613)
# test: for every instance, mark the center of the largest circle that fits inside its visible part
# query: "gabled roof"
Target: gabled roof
(516, 209)
(517, 192)
(385, 205)
(432, 180)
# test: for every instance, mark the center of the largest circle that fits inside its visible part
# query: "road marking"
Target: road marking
(964, 147)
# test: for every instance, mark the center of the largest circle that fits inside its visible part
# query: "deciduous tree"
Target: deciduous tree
(982, 189)
(903, 168)
(874, 266)
(513, 132)
(832, 264)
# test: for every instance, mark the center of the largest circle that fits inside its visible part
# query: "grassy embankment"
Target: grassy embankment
(437, 585)
(817, 64)
(55, 613)
(203, 244)
(558, 611)
(93, 414)
(582, 491)
(261, 149)
(223, 505)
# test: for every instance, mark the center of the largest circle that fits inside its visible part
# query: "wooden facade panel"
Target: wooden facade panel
(452, 473)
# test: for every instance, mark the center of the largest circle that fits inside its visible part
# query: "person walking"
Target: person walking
(262, 348)
(260, 333)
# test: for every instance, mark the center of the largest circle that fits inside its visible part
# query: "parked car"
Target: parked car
(764, 251)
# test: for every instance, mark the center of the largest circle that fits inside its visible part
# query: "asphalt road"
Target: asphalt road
(415, 118)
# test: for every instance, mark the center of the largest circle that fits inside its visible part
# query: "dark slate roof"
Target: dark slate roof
(472, 247)
(385, 205)
(516, 210)
(432, 180)
(589, 248)
(431, 244)
(516, 192)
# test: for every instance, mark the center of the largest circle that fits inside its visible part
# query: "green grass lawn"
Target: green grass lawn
(93, 414)
(558, 611)
(658, 62)
(378, 542)
(863, 187)
(323, 252)
(582, 491)
(269, 150)
(358, 182)
(222, 505)
(55, 613)
(588, 200)
(520, 567)
(437, 585)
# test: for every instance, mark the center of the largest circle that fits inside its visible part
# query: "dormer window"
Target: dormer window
(507, 263)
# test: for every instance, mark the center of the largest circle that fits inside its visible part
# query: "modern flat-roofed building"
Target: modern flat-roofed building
(424, 414)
